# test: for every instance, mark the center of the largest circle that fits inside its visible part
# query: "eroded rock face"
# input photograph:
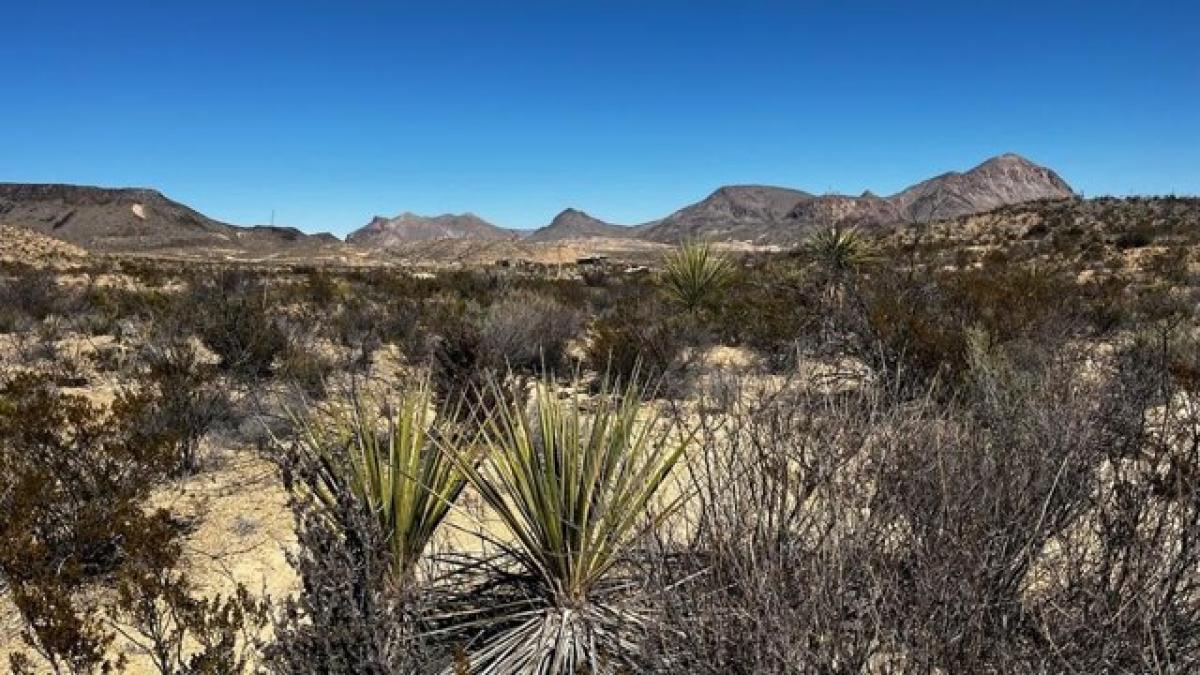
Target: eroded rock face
(386, 232)
(1000, 181)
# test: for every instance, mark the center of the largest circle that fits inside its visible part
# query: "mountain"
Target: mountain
(742, 212)
(1000, 181)
(132, 220)
(386, 232)
(575, 224)
(778, 216)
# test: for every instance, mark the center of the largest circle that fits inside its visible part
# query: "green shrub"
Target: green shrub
(34, 293)
(637, 337)
(233, 317)
(189, 398)
(1137, 238)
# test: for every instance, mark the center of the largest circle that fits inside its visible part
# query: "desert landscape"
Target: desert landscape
(600, 338)
(953, 433)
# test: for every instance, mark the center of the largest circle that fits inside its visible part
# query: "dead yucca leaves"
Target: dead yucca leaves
(385, 456)
(575, 490)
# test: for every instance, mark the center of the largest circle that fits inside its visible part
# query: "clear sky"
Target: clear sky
(331, 112)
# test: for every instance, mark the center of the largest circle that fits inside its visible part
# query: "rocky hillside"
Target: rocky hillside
(20, 245)
(780, 216)
(390, 232)
(1000, 181)
(575, 224)
(734, 212)
(134, 220)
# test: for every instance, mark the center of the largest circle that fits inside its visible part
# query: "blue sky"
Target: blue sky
(329, 113)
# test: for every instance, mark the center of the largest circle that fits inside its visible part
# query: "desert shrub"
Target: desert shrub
(72, 472)
(770, 308)
(356, 326)
(73, 478)
(1136, 238)
(594, 276)
(571, 293)
(305, 367)
(189, 397)
(1009, 530)
(347, 616)
(766, 570)
(166, 619)
(321, 288)
(527, 332)
(641, 338)
(916, 328)
(233, 319)
(958, 598)
(34, 294)
(108, 306)
(1124, 596)
(401, 325)
(459, 361)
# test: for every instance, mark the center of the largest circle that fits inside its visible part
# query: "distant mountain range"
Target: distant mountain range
(772, 215)
(763, 214)
(129, 219)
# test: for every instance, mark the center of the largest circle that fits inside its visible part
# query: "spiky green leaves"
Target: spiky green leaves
(574, 489)
(387, 459)
(840, 250)
(694, 275)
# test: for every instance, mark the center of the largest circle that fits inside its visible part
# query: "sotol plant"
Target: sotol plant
(388, 460)
(694, 275)
(574, 490)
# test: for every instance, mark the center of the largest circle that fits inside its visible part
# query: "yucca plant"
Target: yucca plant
(840, 250)
(385, 456)
(574, 490)
(694, 275)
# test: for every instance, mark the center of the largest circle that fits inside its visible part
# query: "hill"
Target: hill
(733, 212)
(124, 220)
(383, 232)
(575, 224)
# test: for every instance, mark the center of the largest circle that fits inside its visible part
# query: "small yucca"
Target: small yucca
(694, 275)
(840, 250)
(388, 460)
(574, 490)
